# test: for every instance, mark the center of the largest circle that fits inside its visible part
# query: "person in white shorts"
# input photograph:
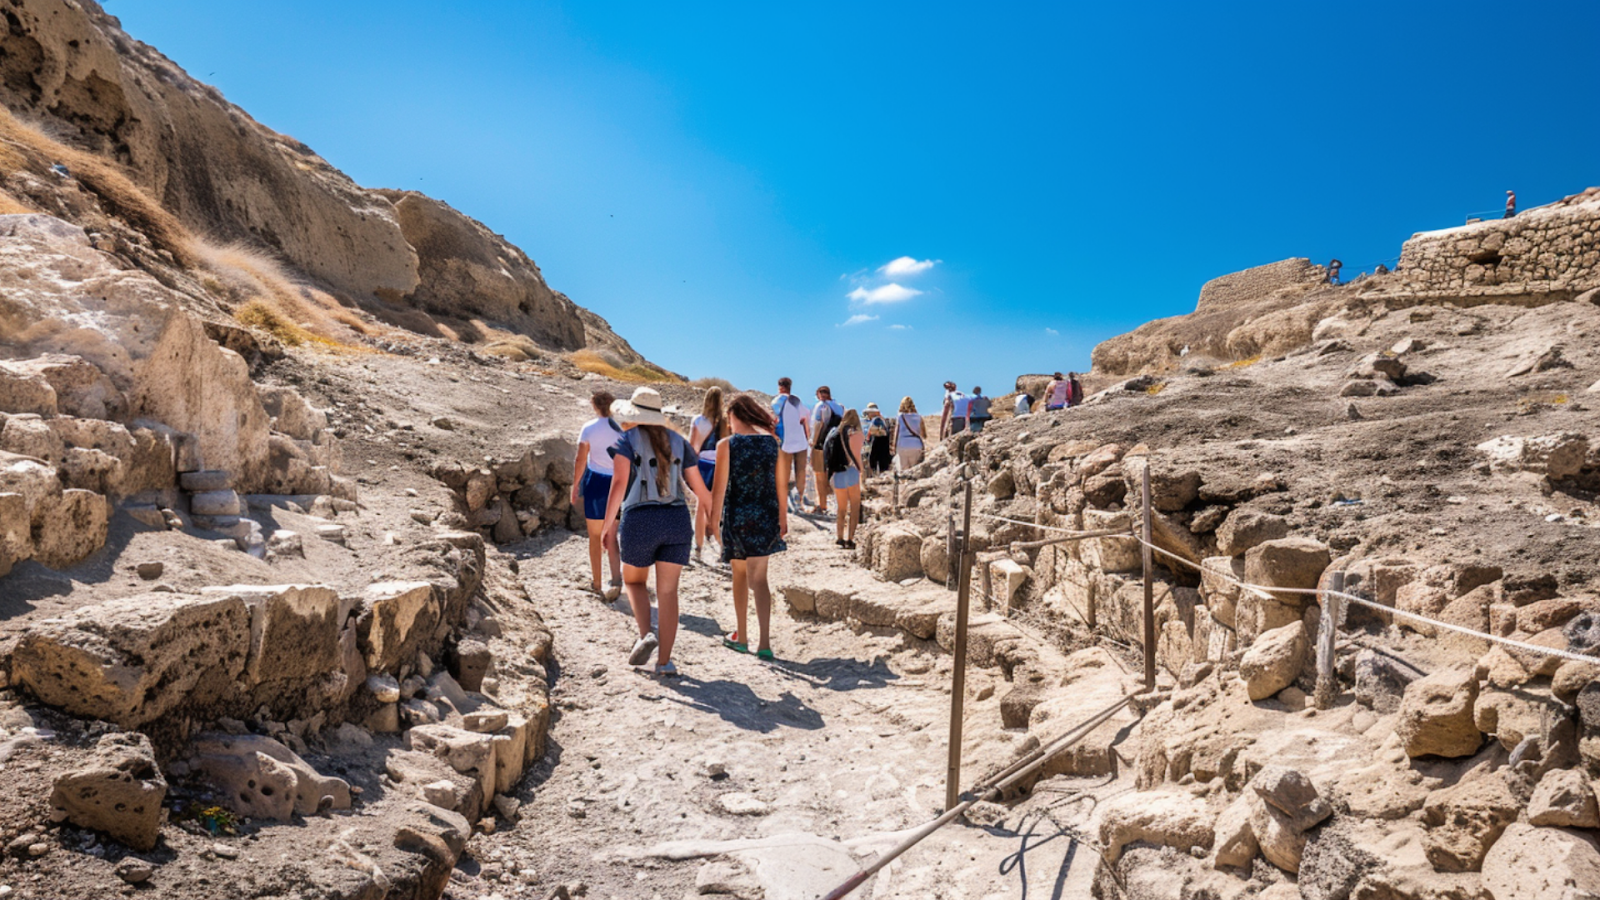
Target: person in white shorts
(908, 437)
(794, 436)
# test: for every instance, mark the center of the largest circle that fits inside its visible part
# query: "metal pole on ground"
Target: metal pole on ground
(1327, 637)
(1149, 586)
(958, 683)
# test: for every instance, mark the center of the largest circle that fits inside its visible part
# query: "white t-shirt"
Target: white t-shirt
(958, 404)
(600, 437)
(698, 429)
(1023, 406)
(907, 425)
(791, 415)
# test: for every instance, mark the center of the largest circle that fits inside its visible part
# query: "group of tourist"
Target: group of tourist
(747, 467)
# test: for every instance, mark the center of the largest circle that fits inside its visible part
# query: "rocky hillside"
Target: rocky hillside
(178, 179)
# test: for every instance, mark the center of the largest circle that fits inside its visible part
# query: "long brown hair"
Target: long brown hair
(714, 411)
(661, 444)
(602, 400)
(746, 409)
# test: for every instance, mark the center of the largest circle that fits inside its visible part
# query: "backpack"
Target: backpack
(1074, 393)
(836, 456)
(825, 427)
(643, 491)
(978, 407)
(777, 411)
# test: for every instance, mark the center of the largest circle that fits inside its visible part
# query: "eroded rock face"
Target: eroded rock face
(1163, 818)
(1274, 660)
(260, 778)
(1465, 820)
(119, 793)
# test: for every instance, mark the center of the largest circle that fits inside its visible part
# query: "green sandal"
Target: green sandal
(733, 643)
(765, 655)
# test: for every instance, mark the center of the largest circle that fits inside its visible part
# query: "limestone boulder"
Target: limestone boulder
(80, 388)
(1235, 838)
(1564, 798)
(1292, 562)
(936, 559)
(1246, 528)
(1274, 660)
(1291, 792)
(25, 392)
(133, 660)
(1217, 587)
(119, 793)
(469, 753)
(1436, 715)
(1517, 714)
(1111, 554)
(1161, 818)
(260, 778)
(1464, 821)
(897, 554)
(395, 618)
(294, 631)
(1556, 456)
(1529, 863)
(291, 415)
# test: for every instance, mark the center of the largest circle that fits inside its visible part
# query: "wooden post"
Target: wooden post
(896, 474)
(1149, 586)
(952, 545)
(958, 683)
(1327, 637)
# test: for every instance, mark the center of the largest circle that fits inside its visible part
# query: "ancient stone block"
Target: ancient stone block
(395, 618)
(119, 793)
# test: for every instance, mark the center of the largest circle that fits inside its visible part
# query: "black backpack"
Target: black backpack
(824, 428)
(835, 452)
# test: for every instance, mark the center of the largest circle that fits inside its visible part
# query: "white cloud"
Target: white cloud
(1052, 332)
(899, 327)
(889, 293)
(857, 319)
(906, 266)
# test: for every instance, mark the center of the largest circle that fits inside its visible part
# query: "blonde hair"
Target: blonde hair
(851, 422)
(907, 405)
(716, 413)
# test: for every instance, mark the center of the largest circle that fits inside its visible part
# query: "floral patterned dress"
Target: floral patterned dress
(750, 506)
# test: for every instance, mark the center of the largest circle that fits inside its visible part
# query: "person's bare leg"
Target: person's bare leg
(757, 566)
(822, 485)
(702, 525)
(838, 523)
(667, 575)
(741, 600)
(634, 580)
(615, 553)
(596, 550)
(852, 498)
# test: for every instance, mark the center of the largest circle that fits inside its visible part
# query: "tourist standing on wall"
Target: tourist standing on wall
(1511, 204)
(1334, 267)
(977, 410)
(591, 487)
(707, 430)
(879, 455)
(953, 417)
(909, 441)
(794, 436)
(825, 417)
(1056, 393)
(649, 515)
(845, 475)
(748, 511)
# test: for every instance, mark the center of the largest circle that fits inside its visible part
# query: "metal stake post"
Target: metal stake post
(1327, 636)
(1149, 587)
(958, 684)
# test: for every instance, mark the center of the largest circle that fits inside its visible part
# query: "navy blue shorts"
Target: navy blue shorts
(652, 534)
(708, 473)
(596, 490)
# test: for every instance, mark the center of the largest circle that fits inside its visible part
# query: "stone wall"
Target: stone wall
(1547, 254)
(1257, 283)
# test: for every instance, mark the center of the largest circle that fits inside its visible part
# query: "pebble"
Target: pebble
(134, 870)
(152, 570)
(741, 804)
(38, 849)
(225, 851)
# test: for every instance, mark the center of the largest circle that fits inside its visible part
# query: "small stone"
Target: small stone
(134, 870)
(38, 848)
(422, 517)
(507, 807)
(152, 570)
(576, 810)
(443, 423)
(739, 803)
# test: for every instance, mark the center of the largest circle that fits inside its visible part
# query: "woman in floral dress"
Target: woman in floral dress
(748, 511)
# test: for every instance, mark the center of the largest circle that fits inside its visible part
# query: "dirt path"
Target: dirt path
(775, 780)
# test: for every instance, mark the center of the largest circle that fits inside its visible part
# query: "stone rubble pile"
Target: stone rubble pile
(505, 500)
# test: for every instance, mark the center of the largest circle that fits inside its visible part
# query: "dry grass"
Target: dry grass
(515, 347)
(590, 361)
(11, 206)
(1242, 363)
(265, 296)
(27, 146)
(709, 382)
(1156, 388)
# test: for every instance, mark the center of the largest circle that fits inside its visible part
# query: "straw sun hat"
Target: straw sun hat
(643, 408)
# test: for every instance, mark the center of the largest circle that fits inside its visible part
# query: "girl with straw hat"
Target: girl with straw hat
(648, 513)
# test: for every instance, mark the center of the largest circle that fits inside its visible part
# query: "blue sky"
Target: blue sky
(726, 182)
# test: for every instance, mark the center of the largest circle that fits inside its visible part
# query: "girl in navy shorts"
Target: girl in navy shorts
(648, 513)
(591, 487)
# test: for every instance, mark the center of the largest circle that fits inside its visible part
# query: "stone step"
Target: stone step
(205, 480)
(216, 503)
(220, 524)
